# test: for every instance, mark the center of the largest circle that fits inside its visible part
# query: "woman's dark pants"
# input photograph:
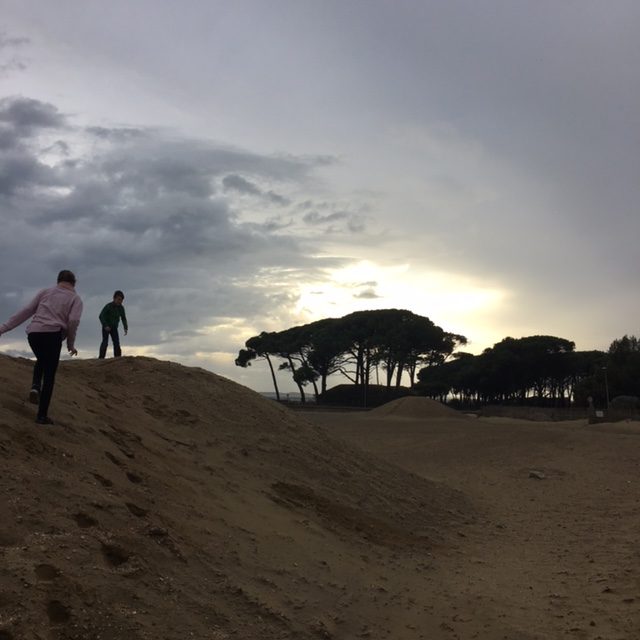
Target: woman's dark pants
(46, 347)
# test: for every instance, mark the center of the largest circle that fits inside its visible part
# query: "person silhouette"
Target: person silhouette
(56, 315)
(110, 317)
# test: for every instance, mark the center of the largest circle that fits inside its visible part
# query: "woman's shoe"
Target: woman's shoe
(45, 420)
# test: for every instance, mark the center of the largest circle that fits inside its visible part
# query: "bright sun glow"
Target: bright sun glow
(456, 303)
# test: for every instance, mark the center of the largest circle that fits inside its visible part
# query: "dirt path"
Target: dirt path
(550, 557)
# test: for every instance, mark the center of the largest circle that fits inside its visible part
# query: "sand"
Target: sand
(415, 407)
(168, 502)
(553, 551)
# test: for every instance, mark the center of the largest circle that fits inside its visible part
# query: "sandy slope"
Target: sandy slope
(553, 556)
(170, 503)
(415, 407)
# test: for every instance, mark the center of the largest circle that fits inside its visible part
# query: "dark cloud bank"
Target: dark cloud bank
(196, 234)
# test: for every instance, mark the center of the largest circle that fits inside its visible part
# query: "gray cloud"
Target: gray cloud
(138, 209)
(117, 134)
(333, 221)
(278, 199)
(23, 119)
(9, 42)
(234, 182)
(238, 183)
(20, 170)
(356, 224)
(313, 217)
(367, 294)
(9, 59)
(27, 115)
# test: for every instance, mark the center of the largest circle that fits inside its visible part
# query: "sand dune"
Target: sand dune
(416, 407)
(169, 503)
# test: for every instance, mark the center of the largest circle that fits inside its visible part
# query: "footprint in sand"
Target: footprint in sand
(85, 521)
(105, 482)
(58, 613)
(114, 555)
(137, 511)
(133, 477)
(118, 440)
(8, 539)
(46, 573)
(113, 459)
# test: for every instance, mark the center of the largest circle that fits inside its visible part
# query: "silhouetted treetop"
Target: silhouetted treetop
(356, 346)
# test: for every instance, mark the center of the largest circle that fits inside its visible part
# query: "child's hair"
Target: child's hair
(67, 276)
(118, 294)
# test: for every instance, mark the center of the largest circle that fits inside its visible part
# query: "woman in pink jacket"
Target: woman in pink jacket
(56, 315)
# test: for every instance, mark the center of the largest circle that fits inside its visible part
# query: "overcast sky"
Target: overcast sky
(244, 166)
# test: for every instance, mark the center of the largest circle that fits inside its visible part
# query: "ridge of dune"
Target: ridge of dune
(416, 407)
(168, 502)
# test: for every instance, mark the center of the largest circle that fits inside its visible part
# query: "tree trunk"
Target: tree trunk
(303, 398)
(273, 377)
(391, 367)
(366, 374)
(399, 373)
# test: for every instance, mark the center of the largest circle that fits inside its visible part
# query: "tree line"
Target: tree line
(385, 347)
(541, 370)
(362, 346)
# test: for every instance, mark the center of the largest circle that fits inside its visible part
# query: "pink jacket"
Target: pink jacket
(54, 309)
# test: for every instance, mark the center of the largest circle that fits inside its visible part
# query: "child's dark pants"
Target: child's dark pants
(115, 338)
(46, 347)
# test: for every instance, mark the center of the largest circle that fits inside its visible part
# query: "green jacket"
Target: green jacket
(111, 314)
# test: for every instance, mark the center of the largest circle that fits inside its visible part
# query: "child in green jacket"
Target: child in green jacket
(109, 319)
